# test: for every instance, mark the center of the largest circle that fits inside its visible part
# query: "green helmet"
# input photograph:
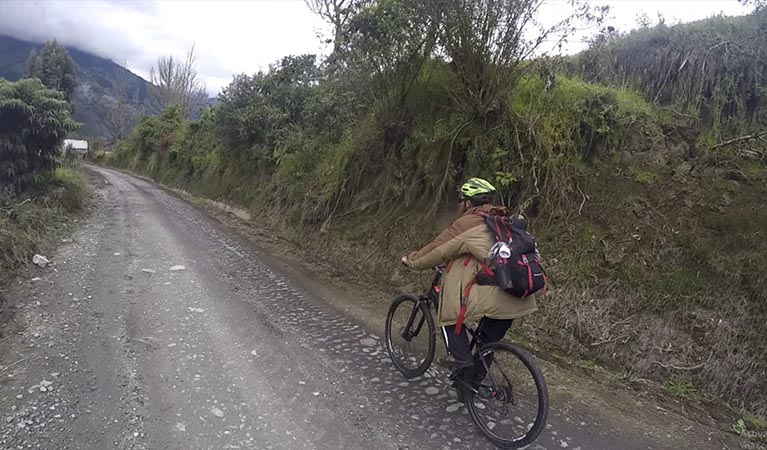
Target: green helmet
(478, 190)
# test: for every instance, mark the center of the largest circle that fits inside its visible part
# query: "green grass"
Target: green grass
(645, 177)
(679, 387)
(755, 422)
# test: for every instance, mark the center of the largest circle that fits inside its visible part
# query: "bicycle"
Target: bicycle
(497, 388)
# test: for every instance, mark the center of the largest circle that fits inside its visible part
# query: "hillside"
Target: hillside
(100, 83)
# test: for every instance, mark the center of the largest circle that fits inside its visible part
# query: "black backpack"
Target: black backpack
(514, 259)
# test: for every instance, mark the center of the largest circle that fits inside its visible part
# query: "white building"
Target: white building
(78, 146)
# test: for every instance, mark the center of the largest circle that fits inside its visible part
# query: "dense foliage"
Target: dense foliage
(54, 67)
(34, 120)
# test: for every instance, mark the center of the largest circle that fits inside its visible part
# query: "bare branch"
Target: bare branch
(738, 140)
(336, 13)
(177, 83)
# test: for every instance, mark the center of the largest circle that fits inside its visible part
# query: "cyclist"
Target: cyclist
(462, 246)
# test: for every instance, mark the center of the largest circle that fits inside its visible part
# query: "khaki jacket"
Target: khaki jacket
(462, 245)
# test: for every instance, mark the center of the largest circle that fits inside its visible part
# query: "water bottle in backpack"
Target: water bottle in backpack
(514, 258)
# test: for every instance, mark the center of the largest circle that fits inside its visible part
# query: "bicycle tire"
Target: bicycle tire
(429, 320)
(543, 400)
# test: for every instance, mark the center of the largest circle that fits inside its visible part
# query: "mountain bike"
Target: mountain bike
(509, 406)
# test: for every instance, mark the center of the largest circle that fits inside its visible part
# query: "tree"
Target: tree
(119, 115)
(54, 67)
(385, 45)
(485, 42)
(34, 120)
(758, 5)
(335, 12)
(256, 112)
(175, 82)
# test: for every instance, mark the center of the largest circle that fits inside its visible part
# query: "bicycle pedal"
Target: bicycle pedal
(485, 393)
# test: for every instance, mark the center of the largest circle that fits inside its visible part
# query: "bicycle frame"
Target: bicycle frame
(432, 296)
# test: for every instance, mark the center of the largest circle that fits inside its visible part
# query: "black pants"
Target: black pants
(490, 330)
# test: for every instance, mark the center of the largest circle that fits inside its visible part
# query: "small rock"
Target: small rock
(453, 408)
(217, 412)
(177, 268)
(431, 390)
(35, 279)
(316, 394)
(563, 444)
(40, 260)
(149, 271)
(117, 254)
(181, 427)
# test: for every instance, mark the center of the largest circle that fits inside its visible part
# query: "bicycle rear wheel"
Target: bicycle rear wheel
(410, 338)
(511, 404)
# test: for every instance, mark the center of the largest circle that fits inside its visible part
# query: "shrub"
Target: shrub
(33, 123)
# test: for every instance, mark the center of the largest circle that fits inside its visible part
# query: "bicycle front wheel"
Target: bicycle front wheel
(410, 338)
(511, 404)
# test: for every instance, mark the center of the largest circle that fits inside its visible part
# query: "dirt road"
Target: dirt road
(159, 328)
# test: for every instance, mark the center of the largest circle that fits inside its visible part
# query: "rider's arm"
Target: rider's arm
(449, 245)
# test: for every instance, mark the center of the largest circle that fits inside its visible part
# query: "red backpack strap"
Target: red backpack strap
(465, 293)
(502, 230)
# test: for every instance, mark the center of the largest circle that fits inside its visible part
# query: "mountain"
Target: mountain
(109, 98)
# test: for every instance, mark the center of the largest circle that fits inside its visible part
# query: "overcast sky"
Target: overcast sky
(240, 36)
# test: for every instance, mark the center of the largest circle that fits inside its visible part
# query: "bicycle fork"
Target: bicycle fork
(407, 334)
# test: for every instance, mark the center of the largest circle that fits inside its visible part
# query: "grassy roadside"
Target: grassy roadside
(30, 221)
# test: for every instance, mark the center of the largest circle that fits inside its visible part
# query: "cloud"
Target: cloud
(229, 36)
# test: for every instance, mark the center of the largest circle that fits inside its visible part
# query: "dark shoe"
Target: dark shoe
(452, 363)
